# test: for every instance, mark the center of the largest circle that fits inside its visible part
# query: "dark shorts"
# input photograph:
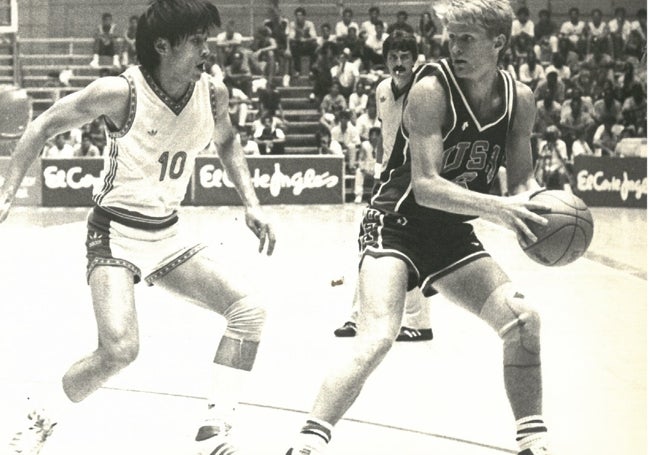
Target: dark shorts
(430, 251)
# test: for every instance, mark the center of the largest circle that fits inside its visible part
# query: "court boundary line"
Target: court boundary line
(616, 265)
(346, 419)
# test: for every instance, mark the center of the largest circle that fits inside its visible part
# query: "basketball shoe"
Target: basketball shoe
(536, 451)
(213, 438)
(409, 334)
(349, 329)
(31, 440)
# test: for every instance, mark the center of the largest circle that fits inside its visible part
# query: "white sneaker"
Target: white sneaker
(31, 440)
(213, 438)
(286, 80)
(116, 61)
(94, 62)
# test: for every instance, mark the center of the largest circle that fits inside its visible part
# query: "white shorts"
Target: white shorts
(146, 252)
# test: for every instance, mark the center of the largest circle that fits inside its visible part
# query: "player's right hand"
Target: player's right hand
(5, 205)
(514, 213)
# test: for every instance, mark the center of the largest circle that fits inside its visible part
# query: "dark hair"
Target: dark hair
(173, 20)
(400, 40)
(619, 9)
(348, 10)
(596, 10)
(300, 9)
(523, 10)
(544, 12)
(373, 9)
(572, 9)
(402, 13)
(107, 16)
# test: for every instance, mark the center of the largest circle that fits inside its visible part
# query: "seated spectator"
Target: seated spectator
(619, 29)
(86, 148)
(269, 137)
(364, 165)
(270, 100)
(358, 100)
(558, 65)
(627, 80)
(238, 103)
(372, 55)
(600, 64)
(634, 107)
(523, 32)
(368, 120)
(548, 114)
(630, 144)
(249, 146)
(575, 31)
(531, 72)
(105, 44)
(368, 26)
(401, 24)
(551, 166)
(583, 83)
(552, 85)
(634, 46)
(355, 44)
(262, 57)
(584, 100)
(52, 80)
(60, 148)
(546, 41)
(569, 56)
(333, 100)
(576, 124)
(342, 26)
(580, 145)
(505, 63)
(346, 134)
(325, 36)
(279, 27)
(302, 39)
(345, 73)
(321, 73)
(640, 24)
(326, 145)
(97, 131)
(598, 34)
(129, 55)
(238, 74)
(606, 137)
(427, 31)
(608, 106)
(228, 42)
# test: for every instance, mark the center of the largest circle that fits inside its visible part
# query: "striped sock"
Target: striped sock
(313, 437)
(531, 432)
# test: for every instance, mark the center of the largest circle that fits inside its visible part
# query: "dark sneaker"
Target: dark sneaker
(536, 451)
(349, 329)
(213, 438)
(409, 334)
(31, 440)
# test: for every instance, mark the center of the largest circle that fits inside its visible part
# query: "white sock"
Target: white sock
(314, 436)
(531, 432)
(224, 391)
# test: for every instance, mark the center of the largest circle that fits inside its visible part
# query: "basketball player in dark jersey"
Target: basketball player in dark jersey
(462, 119)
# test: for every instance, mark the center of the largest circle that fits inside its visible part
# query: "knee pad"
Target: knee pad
(245, 320)
(517, 324)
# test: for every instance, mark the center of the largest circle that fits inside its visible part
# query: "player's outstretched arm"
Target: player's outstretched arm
(519, 158)
(107, 96)
(234, 162)
(424, 124)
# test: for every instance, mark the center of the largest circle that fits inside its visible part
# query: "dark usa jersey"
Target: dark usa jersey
(472, 152)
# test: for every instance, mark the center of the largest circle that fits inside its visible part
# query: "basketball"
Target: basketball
(568, 233)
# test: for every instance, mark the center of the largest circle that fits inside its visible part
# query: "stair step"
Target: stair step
(301, 150)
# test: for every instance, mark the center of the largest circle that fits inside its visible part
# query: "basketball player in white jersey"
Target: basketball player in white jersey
(400, 53)
(463, 118)
(160, 115)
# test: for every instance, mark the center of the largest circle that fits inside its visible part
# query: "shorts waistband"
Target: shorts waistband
(134, 219)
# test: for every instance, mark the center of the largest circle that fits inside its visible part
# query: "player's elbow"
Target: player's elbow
(421, 187)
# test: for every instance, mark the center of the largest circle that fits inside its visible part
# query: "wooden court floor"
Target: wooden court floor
(439, 397)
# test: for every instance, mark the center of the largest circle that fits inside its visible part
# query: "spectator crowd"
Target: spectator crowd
(588, 76)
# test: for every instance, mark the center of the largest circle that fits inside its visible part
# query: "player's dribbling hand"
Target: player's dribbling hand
(257, 223)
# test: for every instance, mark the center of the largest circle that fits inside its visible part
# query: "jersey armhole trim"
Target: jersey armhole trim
(133, 101)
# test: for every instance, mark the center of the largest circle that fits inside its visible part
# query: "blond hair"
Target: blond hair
(494, 16)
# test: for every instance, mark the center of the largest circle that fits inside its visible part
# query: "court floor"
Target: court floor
(439, 397)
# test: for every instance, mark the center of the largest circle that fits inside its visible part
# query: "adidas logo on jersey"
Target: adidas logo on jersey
(152, 132)
(94, 239)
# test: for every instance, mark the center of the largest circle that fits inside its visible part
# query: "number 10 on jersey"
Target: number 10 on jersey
(174, 166)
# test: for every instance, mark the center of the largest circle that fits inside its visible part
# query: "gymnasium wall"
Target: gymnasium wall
(79, 18)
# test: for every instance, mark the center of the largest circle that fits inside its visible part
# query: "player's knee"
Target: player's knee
(518, 325)
(245, 319)
(120, 352)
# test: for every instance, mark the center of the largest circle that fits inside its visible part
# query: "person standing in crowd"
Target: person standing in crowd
(134, 231)
(415, 231)
(105, 44)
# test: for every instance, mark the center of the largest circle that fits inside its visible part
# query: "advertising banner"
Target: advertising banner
(29, 192)
(69, 182)
(611, 182)
(277, 180)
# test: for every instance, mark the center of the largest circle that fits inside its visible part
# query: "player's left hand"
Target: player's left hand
(256, 222)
